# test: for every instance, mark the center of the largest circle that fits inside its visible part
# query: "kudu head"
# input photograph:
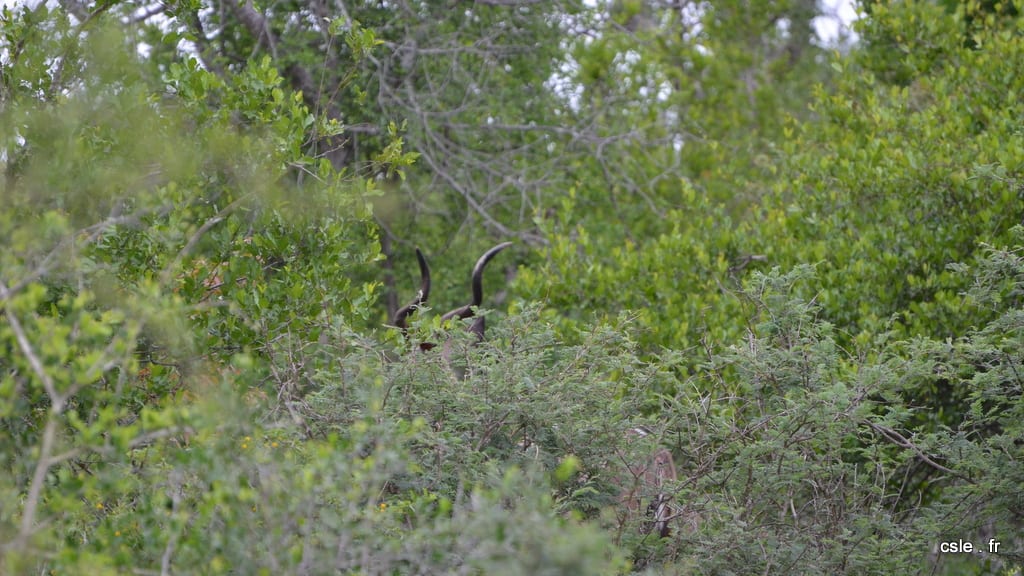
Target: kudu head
(478, 326)
(402, 315)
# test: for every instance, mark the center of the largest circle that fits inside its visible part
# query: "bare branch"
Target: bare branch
(92, 233)
(899, 440)
(77, 9)
(56, 402)
(256, 23)
(28, 514)
(49, 432)
(204, 48)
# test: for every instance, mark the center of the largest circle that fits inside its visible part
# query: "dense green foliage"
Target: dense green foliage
(800, 271)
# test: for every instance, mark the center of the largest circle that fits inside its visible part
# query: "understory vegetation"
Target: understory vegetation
(794, 264)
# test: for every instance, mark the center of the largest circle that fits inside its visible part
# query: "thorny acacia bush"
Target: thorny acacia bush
(384, 462)
(805, 458)
(175, 289)
(187, 383)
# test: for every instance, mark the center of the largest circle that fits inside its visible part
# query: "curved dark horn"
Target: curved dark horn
(478, 272)
(479, 325)
(466, 311)
(421, 297)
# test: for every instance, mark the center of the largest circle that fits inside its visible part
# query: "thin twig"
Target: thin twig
(898, 439)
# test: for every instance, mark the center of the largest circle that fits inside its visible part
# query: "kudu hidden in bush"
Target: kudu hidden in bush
(478, 325)
(649, 481)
